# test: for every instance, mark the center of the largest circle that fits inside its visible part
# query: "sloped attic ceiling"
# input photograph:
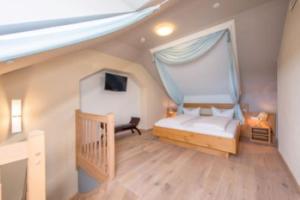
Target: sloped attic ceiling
(259, 25)
(42, 14)
(198, 13)
(189, 16)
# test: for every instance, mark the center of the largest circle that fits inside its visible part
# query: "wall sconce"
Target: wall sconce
(16, 116)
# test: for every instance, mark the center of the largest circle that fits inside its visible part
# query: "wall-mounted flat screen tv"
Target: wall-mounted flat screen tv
(114, 82)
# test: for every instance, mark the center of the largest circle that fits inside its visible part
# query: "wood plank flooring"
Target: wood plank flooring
(148, 169)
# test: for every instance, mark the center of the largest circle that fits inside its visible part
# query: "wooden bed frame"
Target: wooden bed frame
(205, 143)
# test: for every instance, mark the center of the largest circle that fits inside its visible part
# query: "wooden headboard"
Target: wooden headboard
(208, 105)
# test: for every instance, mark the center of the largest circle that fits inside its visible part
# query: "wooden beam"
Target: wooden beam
(111, 145)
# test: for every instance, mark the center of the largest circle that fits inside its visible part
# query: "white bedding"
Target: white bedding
(211, 125)
(211, 122)
(175, 121)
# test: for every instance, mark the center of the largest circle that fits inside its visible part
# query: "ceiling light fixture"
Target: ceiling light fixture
(216, 5)
(142, 39)
(164, 29)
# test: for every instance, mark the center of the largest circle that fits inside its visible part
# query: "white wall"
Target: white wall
(4, 112)
(50, 93)
(206, 79)
(94, 99)
(259, 32)
(13, 177)
(289, 93)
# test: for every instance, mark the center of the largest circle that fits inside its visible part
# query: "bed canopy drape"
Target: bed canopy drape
(189, 51)
(15, 45)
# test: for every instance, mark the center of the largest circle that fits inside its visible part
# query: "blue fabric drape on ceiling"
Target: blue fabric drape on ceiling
(189, 51)
(26, 43)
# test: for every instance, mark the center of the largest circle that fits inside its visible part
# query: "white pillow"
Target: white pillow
(223, 112)
(191, 111)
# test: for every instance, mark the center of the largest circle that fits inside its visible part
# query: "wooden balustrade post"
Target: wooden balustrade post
(77, 132)
(36, 171)
(111, 145)
(33, 148)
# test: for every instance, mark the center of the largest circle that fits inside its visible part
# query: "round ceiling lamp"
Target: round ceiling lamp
(164, 29)
(216, 5)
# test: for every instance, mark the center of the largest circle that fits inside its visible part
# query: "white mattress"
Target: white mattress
(189, 123)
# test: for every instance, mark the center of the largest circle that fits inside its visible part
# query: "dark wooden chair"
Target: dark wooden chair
(132, 125)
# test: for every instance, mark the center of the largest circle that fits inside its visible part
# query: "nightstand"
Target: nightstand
(261, 133)
(270, 124)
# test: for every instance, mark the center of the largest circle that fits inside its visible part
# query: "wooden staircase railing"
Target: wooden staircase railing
(32, 149)
(95, 145)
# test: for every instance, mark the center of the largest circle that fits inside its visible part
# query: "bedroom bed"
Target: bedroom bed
(209, 134)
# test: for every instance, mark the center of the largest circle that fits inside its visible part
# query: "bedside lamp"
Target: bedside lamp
(171, 112)
(261, 118)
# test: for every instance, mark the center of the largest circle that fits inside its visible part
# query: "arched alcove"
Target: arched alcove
(95, 99)
(50, 93)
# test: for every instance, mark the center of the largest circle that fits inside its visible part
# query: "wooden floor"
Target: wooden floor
(149, 169)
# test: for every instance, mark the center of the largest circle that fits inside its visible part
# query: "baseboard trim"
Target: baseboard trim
(146, 130)
(289, 171)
